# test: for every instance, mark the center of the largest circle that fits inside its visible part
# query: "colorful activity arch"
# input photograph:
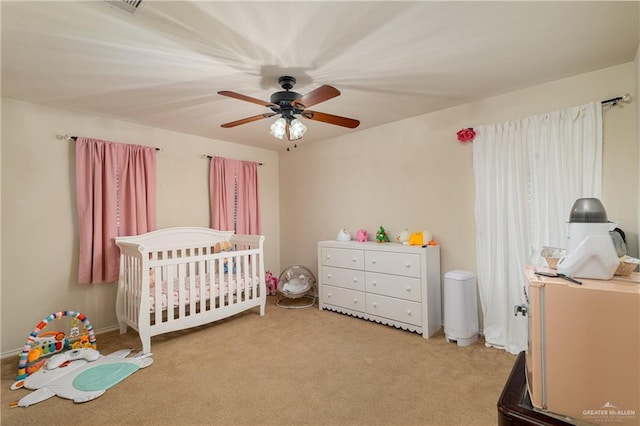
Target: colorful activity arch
(34, 336)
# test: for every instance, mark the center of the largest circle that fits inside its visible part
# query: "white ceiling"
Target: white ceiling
(163, 66)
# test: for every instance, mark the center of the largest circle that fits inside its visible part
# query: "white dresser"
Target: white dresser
(389, 283)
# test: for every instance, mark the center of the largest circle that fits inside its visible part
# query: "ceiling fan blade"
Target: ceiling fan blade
(248, 120)
(245, 98)
(331, 119)
(321, 94)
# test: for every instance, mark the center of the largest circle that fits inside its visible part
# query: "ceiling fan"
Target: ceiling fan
(289, 105)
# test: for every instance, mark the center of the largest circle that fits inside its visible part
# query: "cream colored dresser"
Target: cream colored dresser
(389, 283)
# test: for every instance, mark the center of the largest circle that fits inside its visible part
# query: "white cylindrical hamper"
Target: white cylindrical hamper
(460, 307)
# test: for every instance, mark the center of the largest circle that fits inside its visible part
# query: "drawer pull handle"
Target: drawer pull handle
(329, 294)
(375, 305)
(373, 261)
(408, 265)
(355, 300)
(354, 259)
(374, 283)
(329, 275)
(355, 279)
(328, 256)
(408, 289)
(409, 313)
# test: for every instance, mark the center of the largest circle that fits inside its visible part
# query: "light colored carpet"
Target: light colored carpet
(290, 367)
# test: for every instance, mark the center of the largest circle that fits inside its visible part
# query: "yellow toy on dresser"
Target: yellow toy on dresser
(421, 238)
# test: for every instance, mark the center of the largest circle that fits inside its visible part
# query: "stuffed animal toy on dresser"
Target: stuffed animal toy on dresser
(381, 235)
(362, 235)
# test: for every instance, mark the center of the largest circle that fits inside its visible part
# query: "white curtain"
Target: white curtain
(528, 173)
(566, 164)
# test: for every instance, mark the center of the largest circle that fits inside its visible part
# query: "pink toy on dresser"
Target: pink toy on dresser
(362, 235)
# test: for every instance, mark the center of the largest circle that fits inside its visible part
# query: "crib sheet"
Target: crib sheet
(186, 285)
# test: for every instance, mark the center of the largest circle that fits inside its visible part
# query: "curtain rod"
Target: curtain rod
(211, 156)
(614, 101)
(75, 138)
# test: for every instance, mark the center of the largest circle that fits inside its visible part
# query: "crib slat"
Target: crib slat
(182, 282)
(202, 276)
(193, 295)
(221, 283)
(244, 283)
(247, 277)
(232, 282)
(159, 279)
(234, 276)
(210, 270)
(238, 273)
(253, 274)
(236, 281)
(169, 277)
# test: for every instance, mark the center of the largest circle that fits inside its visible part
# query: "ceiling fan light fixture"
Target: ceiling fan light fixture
(297, 129)
(278, 128)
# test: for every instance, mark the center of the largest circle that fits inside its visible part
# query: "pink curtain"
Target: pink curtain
(116, 195)
(248, 210)
(233, 185)
(222, 193)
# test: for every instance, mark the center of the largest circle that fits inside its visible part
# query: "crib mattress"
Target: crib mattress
(231, 286)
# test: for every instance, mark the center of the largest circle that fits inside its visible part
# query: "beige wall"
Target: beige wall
(415, 174)
(39, 232)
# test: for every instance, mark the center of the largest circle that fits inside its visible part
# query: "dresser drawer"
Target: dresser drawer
(393, 285)
(394, 309)
(343, 258)
(340, 277)
(343, 297)
(407, 264)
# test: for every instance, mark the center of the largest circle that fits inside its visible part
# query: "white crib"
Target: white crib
(173, 279)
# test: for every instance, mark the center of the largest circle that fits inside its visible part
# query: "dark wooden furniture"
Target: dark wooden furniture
(514, 405)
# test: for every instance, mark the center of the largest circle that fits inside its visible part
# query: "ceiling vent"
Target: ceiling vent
(131, 6)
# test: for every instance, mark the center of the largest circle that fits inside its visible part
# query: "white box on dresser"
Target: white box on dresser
(389, 283)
